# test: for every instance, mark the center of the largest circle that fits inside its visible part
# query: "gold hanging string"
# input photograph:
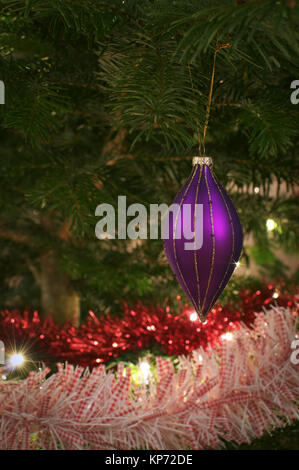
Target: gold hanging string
(208, 108)
(201, 141)
(197, 123)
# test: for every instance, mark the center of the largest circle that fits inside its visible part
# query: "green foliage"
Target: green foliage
(157, 99)
(107, 98)
(286, 438)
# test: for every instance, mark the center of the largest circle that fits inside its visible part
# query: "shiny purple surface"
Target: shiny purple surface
(203, 273)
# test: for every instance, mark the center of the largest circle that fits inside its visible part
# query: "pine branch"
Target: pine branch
(16, 237)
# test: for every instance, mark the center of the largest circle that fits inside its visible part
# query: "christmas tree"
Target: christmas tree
(109, 98)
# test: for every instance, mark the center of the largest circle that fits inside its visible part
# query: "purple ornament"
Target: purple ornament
(204, 261)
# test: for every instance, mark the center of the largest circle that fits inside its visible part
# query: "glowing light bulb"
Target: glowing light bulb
(227, 336)
(16, 360)
(271, 225)
(193, 316)
(275, 295)
(145, 370)
(256, 190)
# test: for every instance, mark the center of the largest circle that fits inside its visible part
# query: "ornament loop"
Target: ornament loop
(202, 161)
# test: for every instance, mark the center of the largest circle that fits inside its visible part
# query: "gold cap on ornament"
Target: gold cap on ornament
(202, 161)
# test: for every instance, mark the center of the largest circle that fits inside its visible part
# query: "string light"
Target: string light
(16, 360)
(256, 190)
(227, 336)
(141, 373)
(193, 316)
(271, 225)
(275, 295)
(145, 370)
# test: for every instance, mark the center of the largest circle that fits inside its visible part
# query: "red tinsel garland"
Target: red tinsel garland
(102, 339)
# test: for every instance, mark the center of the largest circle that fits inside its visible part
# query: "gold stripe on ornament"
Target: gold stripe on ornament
(195, 259)
(233, 239)
(213, 238)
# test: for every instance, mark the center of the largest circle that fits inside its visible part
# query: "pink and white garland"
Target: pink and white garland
(236, 392)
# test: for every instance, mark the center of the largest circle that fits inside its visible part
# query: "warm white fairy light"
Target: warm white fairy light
(227, 336)
(200, 359)
(275, 295)
(193, 316)
(256, 189)
(16, 360)
(141, 373)
(271, 225)
(145, 370)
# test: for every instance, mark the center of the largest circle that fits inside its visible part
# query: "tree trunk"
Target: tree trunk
(58, 297)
